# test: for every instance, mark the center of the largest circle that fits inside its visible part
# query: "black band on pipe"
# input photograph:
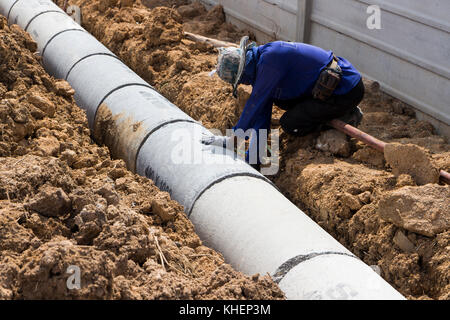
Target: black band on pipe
(45, 47)
(88, 56)
(228, 176)
(118, 88)
(284, 269)
(154, 130)
(231, 175)
(41, 13)
(9, 11)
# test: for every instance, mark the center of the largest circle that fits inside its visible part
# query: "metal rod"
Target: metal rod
(372, 141)
(214, 42)
(445, 176)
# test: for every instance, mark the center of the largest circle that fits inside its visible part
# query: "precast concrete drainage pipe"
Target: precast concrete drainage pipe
(234, 208)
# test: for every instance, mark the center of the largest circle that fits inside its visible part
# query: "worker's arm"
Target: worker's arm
(258, 109)
(257, 112)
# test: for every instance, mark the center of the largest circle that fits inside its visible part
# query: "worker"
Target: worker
(313, 85)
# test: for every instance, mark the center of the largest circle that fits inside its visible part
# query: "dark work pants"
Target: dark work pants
(306, 115)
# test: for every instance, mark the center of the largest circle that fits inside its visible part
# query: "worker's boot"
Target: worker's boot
(353, 118)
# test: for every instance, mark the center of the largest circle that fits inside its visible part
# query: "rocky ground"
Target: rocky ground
(388, 209)
(64, 202)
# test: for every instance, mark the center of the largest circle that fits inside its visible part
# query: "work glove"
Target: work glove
(218, 141)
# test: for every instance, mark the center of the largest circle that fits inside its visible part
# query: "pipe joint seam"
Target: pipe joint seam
(42, 13)
(9, 12)
(117, 89)
(228, 176)
(162, 125)
(290, 264)
(58, 34)
(89, 56)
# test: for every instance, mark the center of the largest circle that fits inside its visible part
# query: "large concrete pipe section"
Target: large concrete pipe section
(234, 208)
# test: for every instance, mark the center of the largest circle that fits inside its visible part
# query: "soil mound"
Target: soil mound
(423, 210)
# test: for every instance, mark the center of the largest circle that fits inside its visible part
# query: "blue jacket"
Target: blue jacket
(284, 71)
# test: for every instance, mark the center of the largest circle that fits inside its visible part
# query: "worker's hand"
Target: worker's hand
(218, 141)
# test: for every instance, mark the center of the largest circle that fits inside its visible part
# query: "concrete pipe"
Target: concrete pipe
(23, 12)
(106, 75)
(61, 65)
(259, 230)
(49, 25)
(186, 168)
(5, 8)
(234, 209)
(137, 112)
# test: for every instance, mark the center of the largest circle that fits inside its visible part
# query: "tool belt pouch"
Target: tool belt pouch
(328, 81)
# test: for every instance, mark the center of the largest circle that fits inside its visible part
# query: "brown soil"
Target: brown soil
(341, 192)
(196, 19)
(413, 160)
(64, 202)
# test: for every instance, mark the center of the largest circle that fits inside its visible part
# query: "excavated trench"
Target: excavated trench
(390, 212)
(64, 202)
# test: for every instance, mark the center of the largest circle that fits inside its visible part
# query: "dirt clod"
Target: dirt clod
(370, 156)
(423, 210)
(403, 242)
(50, 202)
(413, 160)
(161, 207)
